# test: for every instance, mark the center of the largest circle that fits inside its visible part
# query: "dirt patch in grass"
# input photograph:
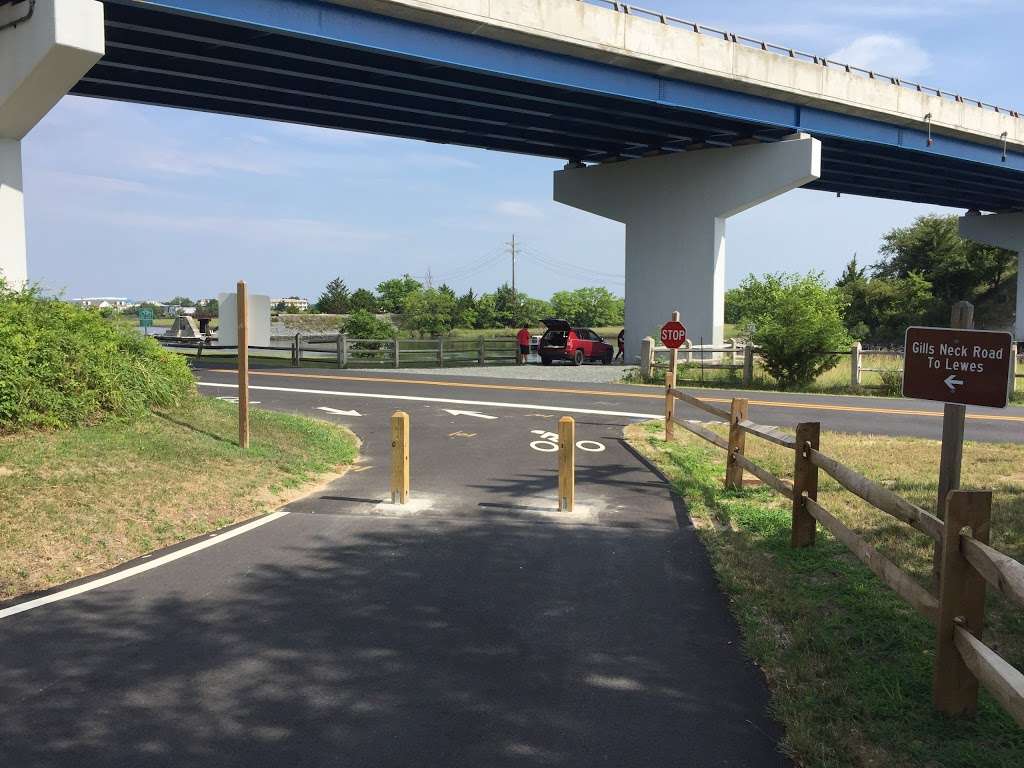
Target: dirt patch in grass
(76, 502)
(850, 664)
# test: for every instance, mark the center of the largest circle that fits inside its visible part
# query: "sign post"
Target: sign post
(673, 336)
(957, 366)
(242, 308)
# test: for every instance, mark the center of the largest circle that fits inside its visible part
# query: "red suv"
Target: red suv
(563, 342)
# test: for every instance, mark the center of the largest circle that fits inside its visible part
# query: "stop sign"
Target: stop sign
(673, 335)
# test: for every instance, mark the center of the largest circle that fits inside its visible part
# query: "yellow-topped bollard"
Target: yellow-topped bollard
(399, 457)
(566, 464)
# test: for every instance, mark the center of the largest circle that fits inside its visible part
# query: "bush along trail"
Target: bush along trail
(107, 452)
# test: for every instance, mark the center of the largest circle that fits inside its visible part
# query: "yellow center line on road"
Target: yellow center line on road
(607, 393)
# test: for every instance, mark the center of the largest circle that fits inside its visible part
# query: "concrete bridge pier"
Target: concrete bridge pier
(45, 48)
(1003, 230)
(674, 208)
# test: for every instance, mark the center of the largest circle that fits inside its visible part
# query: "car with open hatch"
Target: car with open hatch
(562, 341)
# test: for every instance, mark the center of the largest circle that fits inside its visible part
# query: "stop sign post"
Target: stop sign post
(673, 335)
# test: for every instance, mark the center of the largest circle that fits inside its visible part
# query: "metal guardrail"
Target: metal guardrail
(792, 53)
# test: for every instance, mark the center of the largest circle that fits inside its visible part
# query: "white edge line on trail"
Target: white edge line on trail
(127, 573)
(417, 398)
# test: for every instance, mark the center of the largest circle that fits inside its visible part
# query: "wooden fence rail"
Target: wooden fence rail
(962, 660)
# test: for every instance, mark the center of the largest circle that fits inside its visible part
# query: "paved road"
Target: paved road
(476, 627)
(295, 389)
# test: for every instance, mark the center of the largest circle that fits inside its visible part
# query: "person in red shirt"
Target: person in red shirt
(523, 337)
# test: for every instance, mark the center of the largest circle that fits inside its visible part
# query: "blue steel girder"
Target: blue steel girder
(314, 62)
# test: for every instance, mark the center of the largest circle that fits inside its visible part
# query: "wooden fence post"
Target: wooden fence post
(805, 484)
(399, 457)
(440, 353)
(961, 602)
(748, 365)
(483, 352)
(737, 443)
(670, 381)
(297, 351)
(242, 313)
(855, 362)
(952, 452)
(396, 352)
(342, 350)
(566, 464)
(646, 357)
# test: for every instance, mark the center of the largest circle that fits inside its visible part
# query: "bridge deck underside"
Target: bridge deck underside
(158, 56)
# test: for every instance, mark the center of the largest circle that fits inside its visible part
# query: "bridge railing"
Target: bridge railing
(793, 53)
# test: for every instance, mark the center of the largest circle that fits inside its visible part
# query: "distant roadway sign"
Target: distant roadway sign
(953, 365)
(145, 317)
(673, 335)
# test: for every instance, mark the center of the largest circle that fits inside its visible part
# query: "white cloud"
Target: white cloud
(262, 231)
(518, 208)
(91, 184)
(887, 54)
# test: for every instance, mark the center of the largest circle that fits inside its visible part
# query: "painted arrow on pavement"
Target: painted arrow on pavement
(338, 411)
(475, 414)
(952, 382)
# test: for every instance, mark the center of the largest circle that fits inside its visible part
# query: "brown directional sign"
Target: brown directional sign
(955, 365)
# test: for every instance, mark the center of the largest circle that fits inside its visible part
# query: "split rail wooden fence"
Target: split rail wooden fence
(968, 563)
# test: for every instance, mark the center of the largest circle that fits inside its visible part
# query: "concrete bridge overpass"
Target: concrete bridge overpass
(666, 126)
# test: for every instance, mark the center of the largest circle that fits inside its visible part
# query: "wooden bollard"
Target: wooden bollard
(737, 443)
(242, 318)
(399, 457)
(805, 484)
(961, 602)
(566, 464)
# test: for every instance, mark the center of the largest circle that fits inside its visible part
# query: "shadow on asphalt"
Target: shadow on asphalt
(395, 643)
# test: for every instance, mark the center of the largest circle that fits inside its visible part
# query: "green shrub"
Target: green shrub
(61, 365)
(363, 325)
(798, 323)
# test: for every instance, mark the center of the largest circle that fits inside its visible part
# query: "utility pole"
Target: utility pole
(513, 266)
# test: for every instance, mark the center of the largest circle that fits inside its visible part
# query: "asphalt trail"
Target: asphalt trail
(477, 626)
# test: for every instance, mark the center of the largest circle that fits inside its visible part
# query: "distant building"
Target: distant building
(104, 302)
(292, 302)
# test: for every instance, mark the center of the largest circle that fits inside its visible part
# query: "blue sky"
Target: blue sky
(144, 202)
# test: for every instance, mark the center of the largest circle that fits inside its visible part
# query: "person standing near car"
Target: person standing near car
(622, 346)
(523, 337)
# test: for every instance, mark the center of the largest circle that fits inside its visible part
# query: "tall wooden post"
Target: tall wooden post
(805, 484)
(669, 405)
(566, 464)
(674, 355)
(242, 311)
(855, 362)
(952, 451)
(961, 602)
(748, 364)
(670, 383)
(737, 443)
(399, 457)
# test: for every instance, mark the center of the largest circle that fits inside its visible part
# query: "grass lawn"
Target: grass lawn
(77, 502)
(850, 664)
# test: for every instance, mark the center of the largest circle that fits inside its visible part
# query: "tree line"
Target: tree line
(436, 311)
(801, 321)
(924, 269)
